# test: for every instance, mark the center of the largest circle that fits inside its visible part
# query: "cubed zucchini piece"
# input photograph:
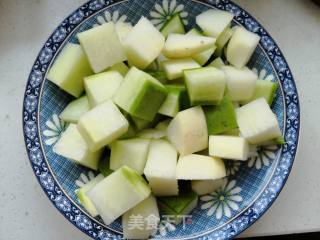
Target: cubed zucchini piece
(188, 131)
(178, 206)
(69, 69)
(102, 86)
(152, 133)
(84, 200)
(222, 117)
(160, 169)
(205, 85)
(183, 46)
(202, 187)
(75, 109)
(140, 94)
(174, 67)
(173, 25)
(120, 67)
(217, 63)
(102, 125)
(123, 29)
(222, 41)
(131, 152)
(143, 44)
(199, 167)
(102, 46)
(257, 122)
(117, 193)
(73, 146)
(171, 105)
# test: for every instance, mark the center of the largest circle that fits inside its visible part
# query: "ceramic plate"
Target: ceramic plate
(252, 185)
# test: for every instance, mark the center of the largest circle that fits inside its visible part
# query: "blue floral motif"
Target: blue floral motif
(59, 34)
(83, 222)
(276, 184)
(233, 9)
(76, 17)
(35, 78)
(45, 55)
(47, 181)
(104, 235)
(288, 86)
(251, 25)
(291, 136)
(63, 203)
(96, 4)
(280, 64)
(30, 129)
(36, 156)
(31, 103)
(292, 111)
(260, 205)
(267, 42)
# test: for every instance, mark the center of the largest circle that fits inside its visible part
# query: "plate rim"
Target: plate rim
(80, 212)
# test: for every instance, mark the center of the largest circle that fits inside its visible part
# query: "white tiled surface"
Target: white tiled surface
(26, 213)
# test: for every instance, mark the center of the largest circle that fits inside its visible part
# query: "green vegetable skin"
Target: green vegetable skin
(173, 102)
(75, 109)
(221, 118)
(173, 25)
(104, 166)
(178, 206)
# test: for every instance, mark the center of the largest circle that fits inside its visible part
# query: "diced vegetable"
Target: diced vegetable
(241, 47)
(104, 166)
(205, 85)
(265, 89)
(222, 41)
(183, 46)
(143, 44)
(102, 86)
(75, 109)
(102, 125)
(257, 122)
(178, 207)
(84, 200)
(214, 22)
(131, 152)
(221, 118)
(141, 123)
(148, 212)
(217, 63)
(72, 145)
(160, 168)
(152, 133)
(228, 147)
(188, 131)
(123, 29)
(160, 59)
(120, 67)
(174, 68)
(140, 94)
(173, 25)
(204, 56)
(163, 125)
(202, 187)
(159, 75)
(69, 69)
(199, 167)
(102, 46)
(117, 193)
(171, 106)
(241, 83)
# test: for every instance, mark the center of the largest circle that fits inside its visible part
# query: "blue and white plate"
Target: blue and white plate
(252, 186)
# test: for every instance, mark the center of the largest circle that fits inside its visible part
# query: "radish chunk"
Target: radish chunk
(117, 193)
(188, 131)
(102, 46)
(72, 145)
(102, 86)
(148, 212)
(131, 152)
(69, 69)
(84, 200)
(241, 47)
(214, 22)
(143, 44)
(241, 83)
(257, 122)
(205, 85)
(229, 147)
(140, 94)
(174, 68)
(199, 167)
(202, 187)
(160, 168)
(183, 46)
(204, 56)
(102, 125)
(75, 109)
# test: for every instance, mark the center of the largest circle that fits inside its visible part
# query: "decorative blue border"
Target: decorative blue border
(75, 215)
